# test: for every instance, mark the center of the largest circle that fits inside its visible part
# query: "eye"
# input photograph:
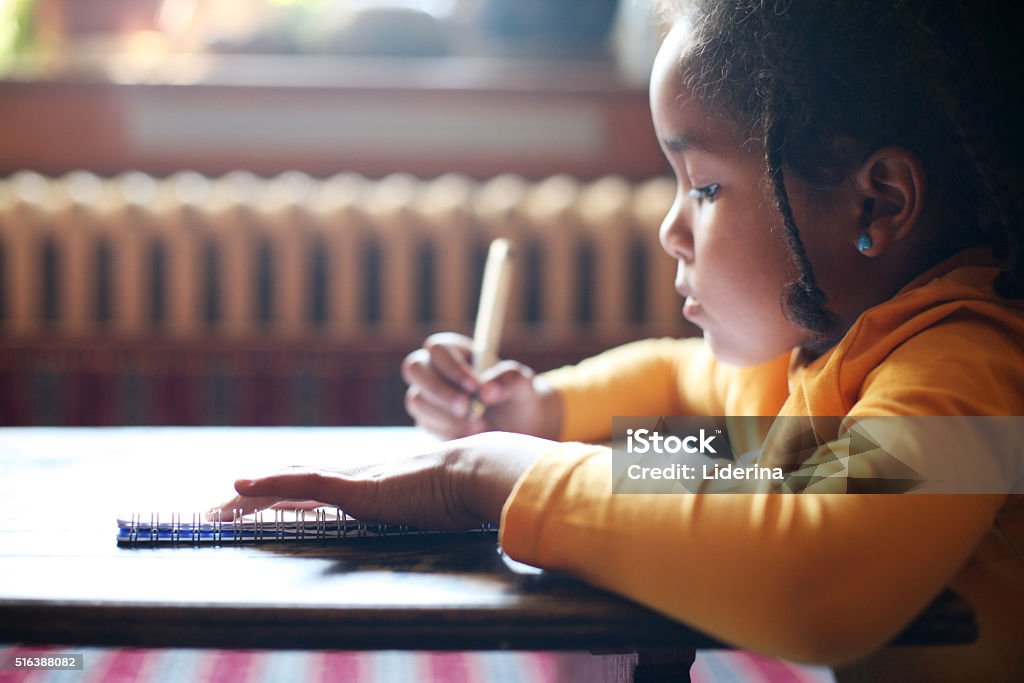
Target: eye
(708, 192)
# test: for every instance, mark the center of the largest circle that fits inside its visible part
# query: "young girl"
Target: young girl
(848, 234)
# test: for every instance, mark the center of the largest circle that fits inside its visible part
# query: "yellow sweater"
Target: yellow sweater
(820, 578)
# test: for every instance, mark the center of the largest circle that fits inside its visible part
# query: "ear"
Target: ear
(891, 186)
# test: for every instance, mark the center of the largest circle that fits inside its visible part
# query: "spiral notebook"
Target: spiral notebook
(266, 526)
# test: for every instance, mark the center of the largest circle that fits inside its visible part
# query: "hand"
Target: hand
(457, 486)
(442, 385)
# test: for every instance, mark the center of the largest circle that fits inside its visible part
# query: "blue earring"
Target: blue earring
(864, 242)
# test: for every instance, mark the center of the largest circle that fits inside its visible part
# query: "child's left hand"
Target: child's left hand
(457, 486)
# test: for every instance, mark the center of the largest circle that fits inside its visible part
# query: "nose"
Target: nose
(675, 234)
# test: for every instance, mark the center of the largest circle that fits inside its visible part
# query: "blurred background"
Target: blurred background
(248, 211)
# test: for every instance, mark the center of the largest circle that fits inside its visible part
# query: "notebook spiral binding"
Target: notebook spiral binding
(320, 524)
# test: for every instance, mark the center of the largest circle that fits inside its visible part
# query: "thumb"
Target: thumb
(505, 381)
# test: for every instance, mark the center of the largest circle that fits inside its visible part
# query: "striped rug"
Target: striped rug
(124, 665)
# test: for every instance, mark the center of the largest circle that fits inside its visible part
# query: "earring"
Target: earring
(864, 242)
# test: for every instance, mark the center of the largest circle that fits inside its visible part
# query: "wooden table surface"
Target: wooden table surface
(64, 580)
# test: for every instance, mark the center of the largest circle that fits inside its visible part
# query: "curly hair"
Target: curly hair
(824, 83)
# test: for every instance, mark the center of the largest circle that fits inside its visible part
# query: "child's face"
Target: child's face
(722, 230)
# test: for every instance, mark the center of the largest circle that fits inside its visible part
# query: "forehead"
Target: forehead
(678, 113)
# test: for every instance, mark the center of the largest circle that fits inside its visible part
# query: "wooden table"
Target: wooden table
(64, 580)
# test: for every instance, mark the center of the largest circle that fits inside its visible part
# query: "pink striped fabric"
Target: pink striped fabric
(339, 667)
(234, 666)
(126, 665)
(734, 666)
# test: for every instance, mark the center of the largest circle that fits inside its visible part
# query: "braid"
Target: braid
(803, 300)
(784, 93)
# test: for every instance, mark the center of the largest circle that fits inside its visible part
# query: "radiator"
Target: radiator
(345, 257)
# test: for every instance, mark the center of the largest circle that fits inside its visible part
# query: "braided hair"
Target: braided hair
(824, 83)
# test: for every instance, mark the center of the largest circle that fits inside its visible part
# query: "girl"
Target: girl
(849, 237)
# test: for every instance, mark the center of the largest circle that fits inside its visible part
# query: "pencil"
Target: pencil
(490, 316)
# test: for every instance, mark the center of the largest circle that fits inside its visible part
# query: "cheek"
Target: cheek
(828, 235)
(744, 244)
(746, 267)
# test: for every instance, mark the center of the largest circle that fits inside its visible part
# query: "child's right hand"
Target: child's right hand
(442, 386)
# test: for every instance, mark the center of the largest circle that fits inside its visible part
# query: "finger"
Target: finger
(424, 381)
(294, 486)
(241, 505)
(297, 505)
(451, 358)
(426, 414)
(458, 347)
(439, 421)
(504, 381)
(452, 339)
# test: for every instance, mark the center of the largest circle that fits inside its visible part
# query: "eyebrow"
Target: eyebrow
(685, 142)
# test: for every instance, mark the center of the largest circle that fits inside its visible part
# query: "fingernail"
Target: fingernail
(243, 483)
(469, 385)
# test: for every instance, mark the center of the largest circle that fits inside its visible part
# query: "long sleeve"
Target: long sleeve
(661, 377)
(714, 560)
(818, 577)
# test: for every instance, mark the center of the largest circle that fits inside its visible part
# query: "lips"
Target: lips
(691, 308)
(683, 288)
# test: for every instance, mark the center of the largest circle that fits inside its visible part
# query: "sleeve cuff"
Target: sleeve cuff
(566, 383)
(524, 514)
